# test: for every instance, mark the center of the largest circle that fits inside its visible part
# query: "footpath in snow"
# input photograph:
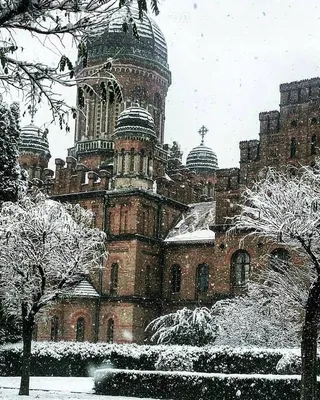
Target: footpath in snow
(54, 388)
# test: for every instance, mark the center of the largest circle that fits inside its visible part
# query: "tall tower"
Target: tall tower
(141, 68)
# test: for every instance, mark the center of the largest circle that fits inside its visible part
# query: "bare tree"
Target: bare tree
(285, 207)
(51, 23)
(46, 249)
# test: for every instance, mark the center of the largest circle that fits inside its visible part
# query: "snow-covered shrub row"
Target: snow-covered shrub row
(193, 385)
(79, 359)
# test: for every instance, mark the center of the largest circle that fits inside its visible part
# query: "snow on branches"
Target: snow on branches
(54, 25)
(12, 183)
(46, 249)
(194, 327)
(285, 207)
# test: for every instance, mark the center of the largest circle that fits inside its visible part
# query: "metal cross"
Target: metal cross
(202, 131)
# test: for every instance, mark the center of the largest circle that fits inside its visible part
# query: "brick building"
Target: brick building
(165, 222)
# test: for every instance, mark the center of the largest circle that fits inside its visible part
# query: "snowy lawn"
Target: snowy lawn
(51, 388)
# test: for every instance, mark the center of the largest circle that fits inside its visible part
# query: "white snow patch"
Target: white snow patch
(195, 236)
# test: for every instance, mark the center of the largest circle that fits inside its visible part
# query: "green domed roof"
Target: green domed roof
(34, 140)
(202, 159)
(135, 121)
(113, 41)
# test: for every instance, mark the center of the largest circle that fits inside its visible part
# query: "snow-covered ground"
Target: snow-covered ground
(54, 388)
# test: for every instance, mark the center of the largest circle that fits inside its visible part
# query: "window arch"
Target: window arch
(110, 330)
(202, 278)
(175, 278)
(114, 279)
(80, 329)
(54, 328)
(279, 259)
(240, 268)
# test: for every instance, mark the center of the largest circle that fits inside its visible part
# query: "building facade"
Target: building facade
(165, 222)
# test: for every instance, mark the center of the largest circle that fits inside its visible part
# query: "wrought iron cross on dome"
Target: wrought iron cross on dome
(202, 131)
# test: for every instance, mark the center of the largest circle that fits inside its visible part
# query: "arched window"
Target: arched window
(110, 330)
(54, 328)
(279, 259)
(314, 144)
(80, 330)
(202, 278)
(175, 278)
(123, 160)
(240, 268)
(114, 279)
(293, 148)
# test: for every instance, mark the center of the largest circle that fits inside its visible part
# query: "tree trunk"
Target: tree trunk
(309, 362)
(27, 328)
(309, 345)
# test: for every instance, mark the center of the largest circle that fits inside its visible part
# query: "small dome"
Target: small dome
(34, 140)
(135, 121)
(113, 40)
(202, 159)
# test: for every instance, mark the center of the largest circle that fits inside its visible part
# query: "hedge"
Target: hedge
(80, 359)
(192, 385)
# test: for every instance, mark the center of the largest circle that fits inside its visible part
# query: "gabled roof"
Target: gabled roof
(84, 289)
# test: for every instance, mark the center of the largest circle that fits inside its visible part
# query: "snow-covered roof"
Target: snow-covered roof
(84, 289)
(195, 236)
(194, 225)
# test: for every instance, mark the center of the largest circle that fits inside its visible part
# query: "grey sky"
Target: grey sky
(227, 60)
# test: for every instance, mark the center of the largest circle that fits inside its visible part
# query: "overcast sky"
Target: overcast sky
(227, 60)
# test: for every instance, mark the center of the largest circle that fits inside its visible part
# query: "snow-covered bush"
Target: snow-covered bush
(181, 360)
(80, 358)
(190, 327)
(195, 385)
(289, 363)
(260, 318)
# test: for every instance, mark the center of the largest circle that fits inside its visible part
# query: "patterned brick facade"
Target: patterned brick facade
(139, 202)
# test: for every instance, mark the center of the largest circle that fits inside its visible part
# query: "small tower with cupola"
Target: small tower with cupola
(34, 153)
(134, 148)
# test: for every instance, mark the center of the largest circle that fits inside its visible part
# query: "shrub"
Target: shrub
(190, 386)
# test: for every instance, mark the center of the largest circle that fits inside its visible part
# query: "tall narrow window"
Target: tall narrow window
(95, 209)
(293, 148)
(123, 219)
(123, 161)
(141, 167)
(240, 268)
(54, 328)
(114, 279)
(148, 280)
(132, 160)
(110, 330)
(279, 259)
(175, 278)
(314, 144)
(80, 330)
(202, 278)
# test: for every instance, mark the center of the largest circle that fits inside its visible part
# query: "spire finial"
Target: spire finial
(202, 131)
(32, 105)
